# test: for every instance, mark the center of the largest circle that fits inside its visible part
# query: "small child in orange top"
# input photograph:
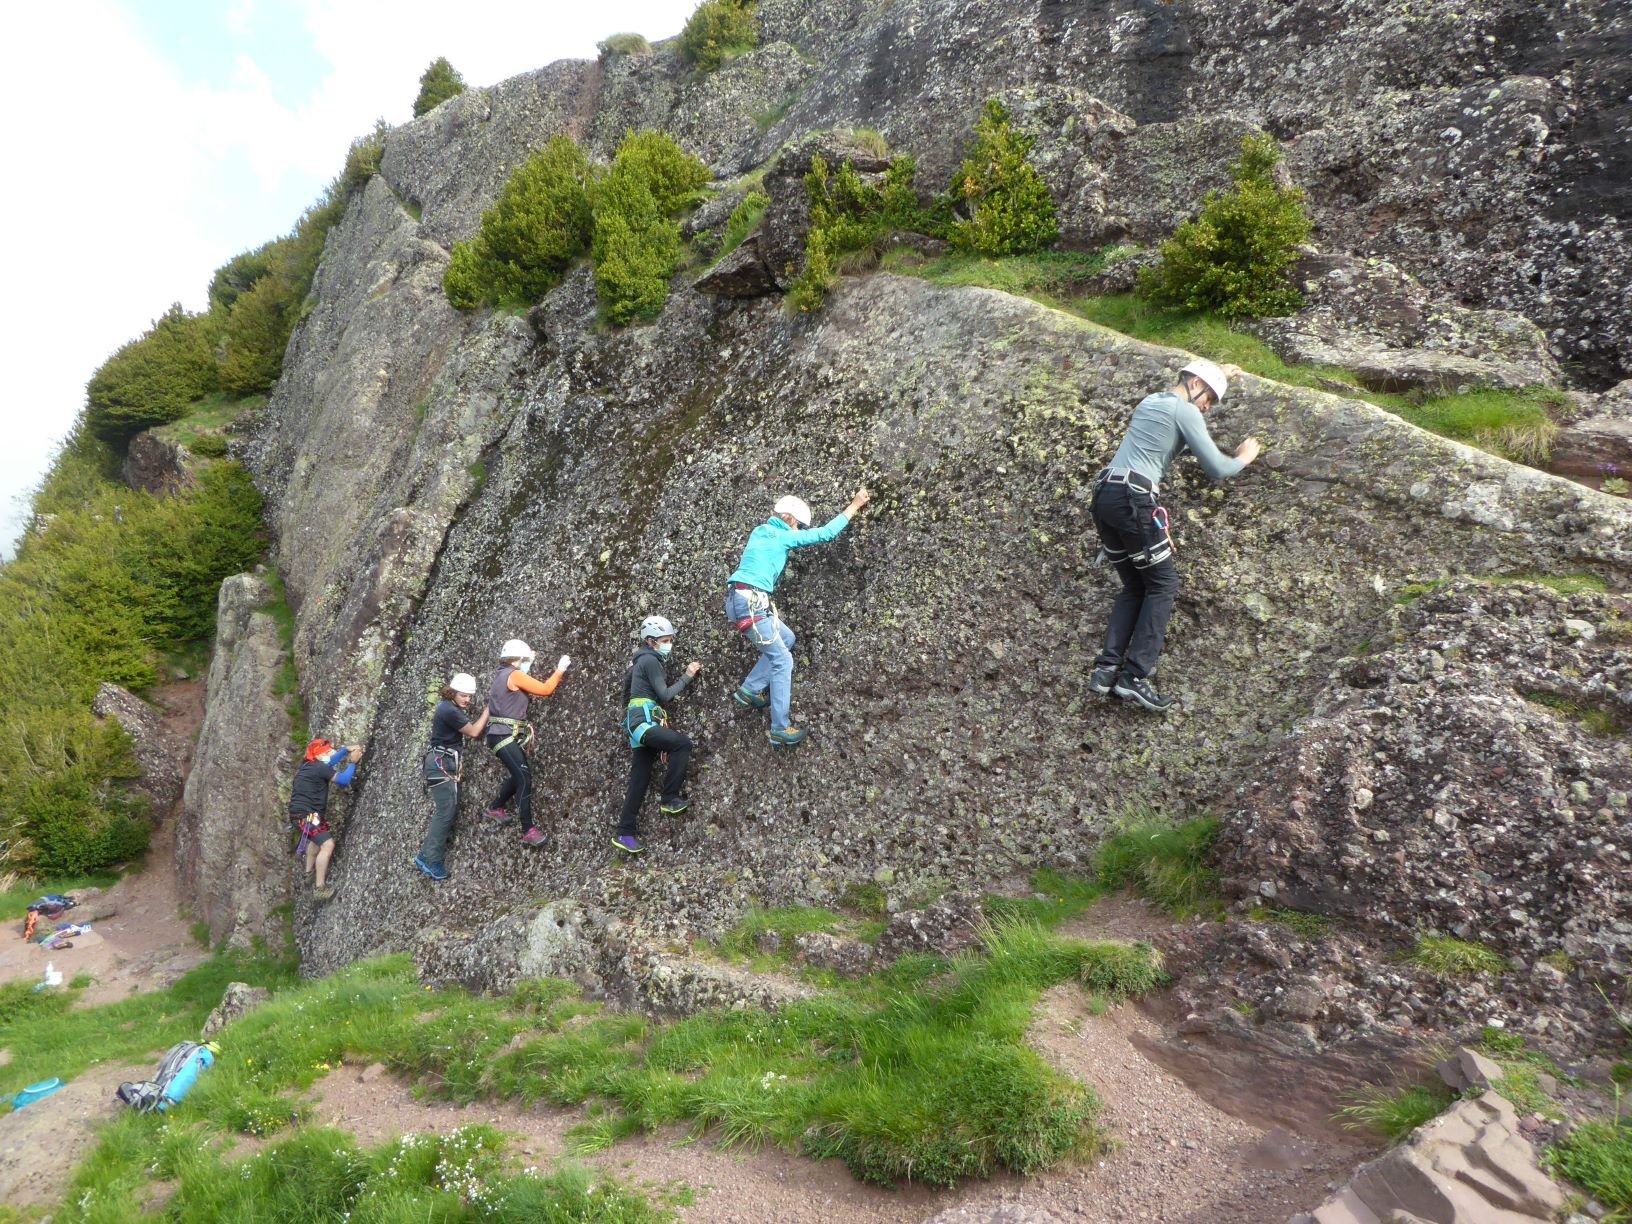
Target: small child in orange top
(509, 734)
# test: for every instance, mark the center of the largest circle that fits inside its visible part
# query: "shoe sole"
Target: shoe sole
(749, 705)
(679, 811)
(1102, 690)
(626, 850)
(1128, 693)
(535, 845)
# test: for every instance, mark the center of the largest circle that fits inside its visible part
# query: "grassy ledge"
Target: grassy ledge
(1517, 425)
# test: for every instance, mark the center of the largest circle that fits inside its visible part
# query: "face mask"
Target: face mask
(525, 665)
(663, 649)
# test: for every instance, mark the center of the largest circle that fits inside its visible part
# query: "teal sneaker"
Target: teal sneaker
(751, 701)
(787, 737)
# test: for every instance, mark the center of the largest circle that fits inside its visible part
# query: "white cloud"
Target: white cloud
(127, 184)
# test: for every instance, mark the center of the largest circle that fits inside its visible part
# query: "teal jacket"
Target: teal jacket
(769, 544)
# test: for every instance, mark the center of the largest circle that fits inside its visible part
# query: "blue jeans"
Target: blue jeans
(774, 641)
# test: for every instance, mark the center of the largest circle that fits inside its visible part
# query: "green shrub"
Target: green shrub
(637, 243)
(1232, 258)
(73, 831)
(848, 214)
(209, 446)
(1167, 862)
(1002, 204)
(152, 379)
(624, 44)
(1393, 1113)
(538, 225)
(437, 84)
(256, 334)
(719, 30)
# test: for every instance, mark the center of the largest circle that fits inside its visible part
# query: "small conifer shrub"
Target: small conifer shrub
(538, 225)
(637, 241)
(440, 82)
(848, 214)
(718, 30)
(624, 44)
(1232, 258)
(1002, 204)
(152, 379)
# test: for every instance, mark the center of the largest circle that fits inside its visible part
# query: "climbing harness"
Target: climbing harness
(520, 729)
(759, 604)
(1127, 476)
(640, 716)
(441, 765)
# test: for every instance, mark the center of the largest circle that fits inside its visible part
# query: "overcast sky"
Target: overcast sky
(149, 141)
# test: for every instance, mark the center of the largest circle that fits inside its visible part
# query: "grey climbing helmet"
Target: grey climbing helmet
(656, 627)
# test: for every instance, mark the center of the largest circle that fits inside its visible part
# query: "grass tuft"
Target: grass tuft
(1393, 1113)
(1447, 957)
(1598, 1157)
(1167, 862)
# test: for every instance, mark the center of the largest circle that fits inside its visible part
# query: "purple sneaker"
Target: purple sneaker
(626, 843)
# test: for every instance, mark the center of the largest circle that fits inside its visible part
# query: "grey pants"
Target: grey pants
(445, 805)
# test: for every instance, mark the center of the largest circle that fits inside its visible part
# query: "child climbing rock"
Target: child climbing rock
(647, 693)
(443, 763)
(309, 803)
(509, 734)
(749, 608)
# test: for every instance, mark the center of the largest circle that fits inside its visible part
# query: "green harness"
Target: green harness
(640, 716)
(520, 729)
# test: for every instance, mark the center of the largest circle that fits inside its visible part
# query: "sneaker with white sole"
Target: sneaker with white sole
(627, 844)
(751, 701)
(1102, 680)
(1139, 688)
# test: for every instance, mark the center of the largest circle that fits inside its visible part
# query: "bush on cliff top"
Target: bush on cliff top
(847, 215)
(154, 378)
(437, 84)
(1002, 204)
(539, 224)
(719, 30)
(1232, 259)
(636, 239)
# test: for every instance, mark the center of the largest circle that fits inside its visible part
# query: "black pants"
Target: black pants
(519, 784)
(1143, 556)
(642, 760)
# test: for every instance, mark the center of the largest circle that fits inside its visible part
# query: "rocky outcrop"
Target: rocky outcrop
(162, 760)
(232, 843)
(1468, 774)
(1597, 445)
(237, 1001)
(156, 464)
(1377, 322)
(1470, 1165)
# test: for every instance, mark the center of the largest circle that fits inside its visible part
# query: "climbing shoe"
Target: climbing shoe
(325, 893)
(1102, 680)
(751, 701)
(534, 837)
(436, 871)
(627, 844)
(673, 807)
(1139, 689)
(787, 737)
(498, 816)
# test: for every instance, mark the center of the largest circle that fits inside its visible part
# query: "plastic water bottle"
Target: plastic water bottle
(51, 978)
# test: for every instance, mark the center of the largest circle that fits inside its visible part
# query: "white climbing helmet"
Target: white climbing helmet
(656, 627)
(515, 648)
(463, 682)
(796, 506)
(1210, 374)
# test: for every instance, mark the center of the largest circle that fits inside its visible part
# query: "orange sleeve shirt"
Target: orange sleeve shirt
(521, 682)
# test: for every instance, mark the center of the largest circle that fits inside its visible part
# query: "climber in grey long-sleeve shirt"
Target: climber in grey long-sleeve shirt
(1133, 528)
(647, 723)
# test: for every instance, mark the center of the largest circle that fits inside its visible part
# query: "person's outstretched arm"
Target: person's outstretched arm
(521, 682)
(1193, 429)
(831, 529)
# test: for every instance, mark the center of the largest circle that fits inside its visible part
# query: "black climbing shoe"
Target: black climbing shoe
(673, 807)
(1102, 679)
(1140, 690)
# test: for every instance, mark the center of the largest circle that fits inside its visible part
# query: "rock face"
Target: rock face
(1598, 444)
(439, 483)
(1469, 774)
(239, 999)
(163, 761)
(1470, 1165)
(232, 843)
